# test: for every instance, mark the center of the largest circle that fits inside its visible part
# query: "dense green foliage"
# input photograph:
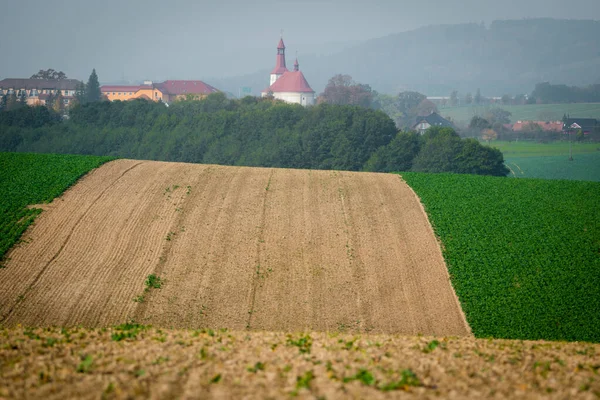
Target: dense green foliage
(583, 167)
(33, 179)
(438, 150)
(249, 132)
(523, 254)
(548, 93)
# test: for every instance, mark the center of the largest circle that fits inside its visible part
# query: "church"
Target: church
(286, 85)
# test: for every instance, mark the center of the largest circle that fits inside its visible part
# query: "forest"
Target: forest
(246, 132)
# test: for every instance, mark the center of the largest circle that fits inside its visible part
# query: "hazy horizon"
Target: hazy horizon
(184, 39)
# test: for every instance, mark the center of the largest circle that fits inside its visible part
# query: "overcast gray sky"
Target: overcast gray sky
(197, 39)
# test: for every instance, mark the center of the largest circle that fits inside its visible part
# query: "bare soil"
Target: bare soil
(163, 364)
(234, 247)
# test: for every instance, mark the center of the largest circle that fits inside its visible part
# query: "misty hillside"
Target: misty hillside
(506, 57)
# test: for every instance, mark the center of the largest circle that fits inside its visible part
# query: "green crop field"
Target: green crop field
(535, 149)
(527, 112)
(583, 167)
(33, 179)
(530, 159)
(523, 254)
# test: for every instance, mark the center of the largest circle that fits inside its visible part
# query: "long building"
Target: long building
(166, 91)
(38, 91)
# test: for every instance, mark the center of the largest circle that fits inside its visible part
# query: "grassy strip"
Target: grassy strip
(28, 179)
(523, 254)
(535, 149)
(583, 167)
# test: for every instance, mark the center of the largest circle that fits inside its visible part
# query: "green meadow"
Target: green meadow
(527, 112)
(529, 159)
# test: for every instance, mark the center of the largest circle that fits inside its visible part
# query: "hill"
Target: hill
(188, 245)
(507, 57)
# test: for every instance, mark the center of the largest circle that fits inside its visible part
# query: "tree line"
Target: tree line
(249, 132)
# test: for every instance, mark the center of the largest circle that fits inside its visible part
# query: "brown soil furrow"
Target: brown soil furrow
(45, 266)
(187, 269)
(399, 311)
(44, 239)
(257, 277)
(242, 248)
(188, 277)
(88, 269)
(347, 196)
(281, 272)
(180, 199)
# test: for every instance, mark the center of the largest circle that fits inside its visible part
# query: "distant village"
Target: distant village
(286, 85)
(290, 86)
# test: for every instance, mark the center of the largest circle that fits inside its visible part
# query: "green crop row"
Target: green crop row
(523, 254)
(28, 179)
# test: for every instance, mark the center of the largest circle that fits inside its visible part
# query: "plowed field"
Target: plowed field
(234, 247)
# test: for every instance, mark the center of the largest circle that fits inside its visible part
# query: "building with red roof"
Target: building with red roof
(286, 85)
(37, 91)
(166, 91)
(546, 126)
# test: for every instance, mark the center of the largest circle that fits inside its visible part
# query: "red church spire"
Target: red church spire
(280, 67)
(296, 65)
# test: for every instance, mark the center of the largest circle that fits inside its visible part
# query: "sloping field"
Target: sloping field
(232, 247)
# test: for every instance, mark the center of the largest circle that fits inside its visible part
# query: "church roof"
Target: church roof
(290, 82)
(279, 69)
(281, 45)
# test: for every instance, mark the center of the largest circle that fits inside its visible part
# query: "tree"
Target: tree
(520, 99)
(49, 74)
(58, 104)
(50, 100)
(80, 93)
(403, 108)
(478, 97)
(3, 102)
(468, 98)
(398, 155)
(454, 98)
(479, 124)
(498, 116)
(505, 99)
(92, 88)
(23, 98)
(342, 90)
(426, 107)
(489, 134)
(11, 101)
(445, 151)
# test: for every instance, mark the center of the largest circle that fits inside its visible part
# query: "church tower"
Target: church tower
(280, 67)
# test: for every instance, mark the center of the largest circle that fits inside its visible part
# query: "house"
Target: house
(166, 91)
(586, 125)
(434, 119)
(286, 85)
(546, 126)
(38, 91)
